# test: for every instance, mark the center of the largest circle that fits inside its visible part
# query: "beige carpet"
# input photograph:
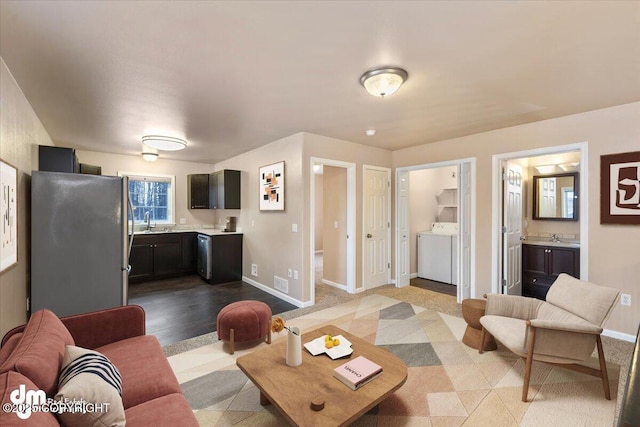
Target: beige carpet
(449, 383)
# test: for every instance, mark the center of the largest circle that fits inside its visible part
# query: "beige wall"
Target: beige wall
(319, 210)
(335, 213)
(269, 240)
(20, 134)
(113, 163)
(613, 249)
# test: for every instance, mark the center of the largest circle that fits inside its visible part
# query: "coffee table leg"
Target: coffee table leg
(263, 400)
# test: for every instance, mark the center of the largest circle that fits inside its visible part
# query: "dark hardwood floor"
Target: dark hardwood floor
(443, 288)
(186, 307)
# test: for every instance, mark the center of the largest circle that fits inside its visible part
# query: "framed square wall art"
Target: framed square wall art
(272, 187)
(620, 188)
(9, 211)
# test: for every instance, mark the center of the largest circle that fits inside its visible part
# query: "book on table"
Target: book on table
(357, 372)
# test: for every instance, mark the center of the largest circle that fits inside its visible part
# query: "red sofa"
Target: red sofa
(32, 354)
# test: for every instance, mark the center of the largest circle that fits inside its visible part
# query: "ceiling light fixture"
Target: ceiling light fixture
(383, 81)
(150, 157)
(546, 169)
(166, 143)
(149, 154)
(370, 132)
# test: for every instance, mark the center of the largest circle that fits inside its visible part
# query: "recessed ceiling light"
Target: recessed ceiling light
(166, 143)
(370, 132)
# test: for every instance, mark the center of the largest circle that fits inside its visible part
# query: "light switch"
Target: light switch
(294, 228)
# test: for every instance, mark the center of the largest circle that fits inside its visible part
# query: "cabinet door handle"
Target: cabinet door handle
(534, 280)
(369, 235)
(150, 246)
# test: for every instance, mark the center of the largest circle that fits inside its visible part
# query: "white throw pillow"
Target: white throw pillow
(90, 378)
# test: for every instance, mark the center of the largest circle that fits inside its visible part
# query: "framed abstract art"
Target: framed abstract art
(9, 212)
(272, 187)
(620, 188)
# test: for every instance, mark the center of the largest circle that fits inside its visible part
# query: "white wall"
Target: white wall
(20, 134)
(335, 213)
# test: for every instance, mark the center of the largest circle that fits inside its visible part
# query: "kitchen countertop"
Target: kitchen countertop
(561, 244)
(207, 231)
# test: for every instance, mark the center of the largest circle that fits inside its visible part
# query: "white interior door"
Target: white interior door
(464, 227)
(512, 229)
(548, 194)
(402, 236)
(376, 227)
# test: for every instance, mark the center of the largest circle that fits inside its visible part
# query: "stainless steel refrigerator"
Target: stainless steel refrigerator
(80, 242)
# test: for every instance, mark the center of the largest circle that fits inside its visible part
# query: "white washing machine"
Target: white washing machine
(438, 253)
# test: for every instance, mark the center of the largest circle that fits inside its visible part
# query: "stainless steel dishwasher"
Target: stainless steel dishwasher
(204, 256)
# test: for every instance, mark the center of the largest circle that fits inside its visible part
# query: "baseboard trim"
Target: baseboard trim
(274, 292)
(413, 275)
(619, 335)
(334, 284)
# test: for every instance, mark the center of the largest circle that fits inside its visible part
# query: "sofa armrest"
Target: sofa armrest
(584, 328)
(513, 306)
(98, 328)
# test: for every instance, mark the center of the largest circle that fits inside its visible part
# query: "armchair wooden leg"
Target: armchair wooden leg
(603, 369)
(483, 332)
(529, 362)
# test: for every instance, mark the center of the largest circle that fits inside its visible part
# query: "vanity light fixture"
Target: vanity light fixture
(569, 167)
(545, 169)
(165, 143)
(383, 81)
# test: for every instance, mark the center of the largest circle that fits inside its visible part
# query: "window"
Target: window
(153, 194)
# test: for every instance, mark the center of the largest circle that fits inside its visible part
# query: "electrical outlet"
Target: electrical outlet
(254, 270)
(625, 299)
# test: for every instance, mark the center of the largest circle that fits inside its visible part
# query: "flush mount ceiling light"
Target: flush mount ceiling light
(165, 143)
(149, 154)
(370, 132)
(383, 81)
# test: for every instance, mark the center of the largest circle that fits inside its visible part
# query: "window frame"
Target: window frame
(171, 198)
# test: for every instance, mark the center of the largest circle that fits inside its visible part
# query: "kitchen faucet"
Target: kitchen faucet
(147, 219)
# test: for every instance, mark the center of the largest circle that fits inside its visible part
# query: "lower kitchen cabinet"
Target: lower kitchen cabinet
(162, 255)
(226, 258)
(541, 266)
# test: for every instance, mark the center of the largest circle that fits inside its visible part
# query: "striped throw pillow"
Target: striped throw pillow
(88, 377)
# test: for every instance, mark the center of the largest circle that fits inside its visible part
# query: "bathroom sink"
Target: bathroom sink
(557, 243)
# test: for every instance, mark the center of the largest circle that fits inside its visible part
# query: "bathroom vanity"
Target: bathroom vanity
(543, 261)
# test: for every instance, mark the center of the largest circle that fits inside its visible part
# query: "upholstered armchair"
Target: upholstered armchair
(563, 330)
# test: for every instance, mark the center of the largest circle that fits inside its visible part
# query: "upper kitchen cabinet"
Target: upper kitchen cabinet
(57, 159)
(224, 189)
(198, 191)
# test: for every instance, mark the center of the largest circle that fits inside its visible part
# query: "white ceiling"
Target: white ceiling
(232, 76)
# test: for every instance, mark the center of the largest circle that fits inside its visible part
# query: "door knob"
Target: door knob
(369, 235)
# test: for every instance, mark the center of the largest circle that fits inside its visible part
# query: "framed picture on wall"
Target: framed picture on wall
(9, 212)
(620, 188)
(272, 187)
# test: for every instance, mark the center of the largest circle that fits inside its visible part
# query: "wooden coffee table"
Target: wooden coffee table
(292, 389)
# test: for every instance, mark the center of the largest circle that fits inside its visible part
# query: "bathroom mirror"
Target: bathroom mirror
(555, 197)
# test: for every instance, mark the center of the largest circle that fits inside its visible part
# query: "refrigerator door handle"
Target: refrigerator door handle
(133, 227)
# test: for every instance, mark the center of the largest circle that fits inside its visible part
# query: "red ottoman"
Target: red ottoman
(244, 321)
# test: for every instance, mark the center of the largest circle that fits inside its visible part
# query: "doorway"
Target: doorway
(451, 204)
(513, 219)
(332, 228)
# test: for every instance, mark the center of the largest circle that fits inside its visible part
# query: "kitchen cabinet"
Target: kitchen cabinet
(57, 159)
(541, 266)
(226, 258)
(198, 191)
(189, 252)
(161, 255)
(224, 189)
